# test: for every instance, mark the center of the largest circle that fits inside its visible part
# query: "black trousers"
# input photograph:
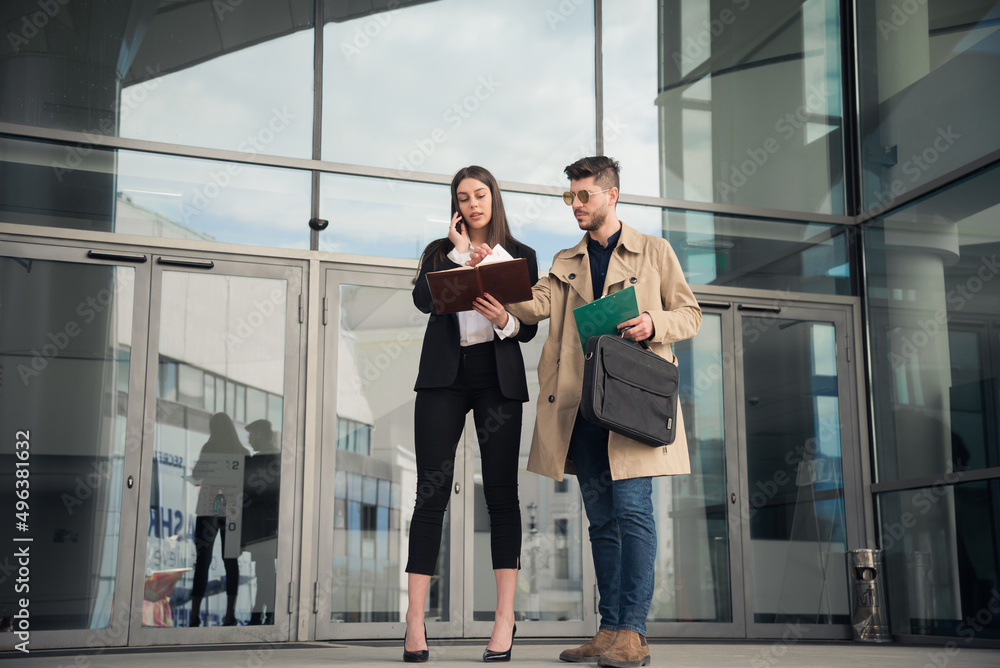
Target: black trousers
(206, 527)
(439, 417)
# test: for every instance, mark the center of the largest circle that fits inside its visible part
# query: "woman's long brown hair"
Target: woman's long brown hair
(498, 232)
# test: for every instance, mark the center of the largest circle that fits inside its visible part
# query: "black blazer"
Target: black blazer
(440, 352)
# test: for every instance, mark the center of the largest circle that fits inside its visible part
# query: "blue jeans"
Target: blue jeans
(622, 531)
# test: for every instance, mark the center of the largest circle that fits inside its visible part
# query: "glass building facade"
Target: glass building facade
(210, 215)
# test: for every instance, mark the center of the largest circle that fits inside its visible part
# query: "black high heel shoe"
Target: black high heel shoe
(490, 655)
(416, 657)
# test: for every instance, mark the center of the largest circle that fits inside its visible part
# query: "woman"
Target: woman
(470, 360)
(215, 472)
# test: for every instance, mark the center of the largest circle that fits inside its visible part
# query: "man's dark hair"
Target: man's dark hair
(605, 170)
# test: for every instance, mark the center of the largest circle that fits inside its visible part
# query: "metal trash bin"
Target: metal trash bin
(867, 592)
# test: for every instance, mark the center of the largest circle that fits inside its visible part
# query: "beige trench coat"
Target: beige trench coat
(648, 263)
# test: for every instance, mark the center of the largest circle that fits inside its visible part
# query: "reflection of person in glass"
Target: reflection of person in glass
(260, 516)
(220, 453)
(470, 360)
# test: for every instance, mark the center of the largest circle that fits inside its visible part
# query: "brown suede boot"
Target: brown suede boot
(628, 650)
(590, 652)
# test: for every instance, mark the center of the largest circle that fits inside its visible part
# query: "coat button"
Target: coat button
(572, 276)
(557, 361)
(552, 398)
(633, 280)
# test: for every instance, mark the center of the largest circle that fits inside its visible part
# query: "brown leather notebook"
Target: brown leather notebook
(455, 290)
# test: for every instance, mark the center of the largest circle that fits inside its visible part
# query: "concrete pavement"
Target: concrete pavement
(529, 653)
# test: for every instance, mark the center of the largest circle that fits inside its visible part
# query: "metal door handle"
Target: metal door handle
(113, 255)
(763, 309)
(186, 262)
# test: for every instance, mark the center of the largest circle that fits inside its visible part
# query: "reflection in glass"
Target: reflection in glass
(398, 219)
(212, 541)
(941, 548)
(153, 195)
(228, 75)
(693, 520)
(544, 222)
(550, 582)
(745, 101)
(736, 251)
(928, 70)
(235, 88)
(401, 91)
(63, 400)
(375, 483)
(794, 472)
(932, 307)
(381, 217)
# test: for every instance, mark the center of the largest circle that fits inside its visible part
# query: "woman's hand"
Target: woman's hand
(492, 310)
(458, 239)
(479, 254)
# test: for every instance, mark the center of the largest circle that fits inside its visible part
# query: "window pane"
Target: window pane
(152, 195)
(63, 400)
(716, 249)
(201, 539)
(402, 88)
(693, 517)
(256, 403)
(553, 540)
(941, 558)
(209, 392)
(380, 217)
(229, 75)
(190, 386)
(796, 514)
(401, 218)
(933, 298)
(543, 222)
(380, 335)
(929, 71)
(729, 102)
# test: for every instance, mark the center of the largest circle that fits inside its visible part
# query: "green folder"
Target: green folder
(602, 316)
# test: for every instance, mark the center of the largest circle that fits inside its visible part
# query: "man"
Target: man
(262, 482)
(615, 473)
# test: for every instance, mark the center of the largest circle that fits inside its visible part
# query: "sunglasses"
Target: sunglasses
(584, 195)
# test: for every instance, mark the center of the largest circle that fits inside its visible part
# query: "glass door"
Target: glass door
(71, 324)
(699, 582)
(797, 407)
(370, 354)
(752, 542)
(371, 347)
(213, 558)
(556, 583)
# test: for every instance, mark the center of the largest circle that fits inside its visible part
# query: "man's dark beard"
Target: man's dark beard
(596, 220)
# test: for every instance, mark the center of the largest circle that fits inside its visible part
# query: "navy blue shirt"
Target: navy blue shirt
(600, 258)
